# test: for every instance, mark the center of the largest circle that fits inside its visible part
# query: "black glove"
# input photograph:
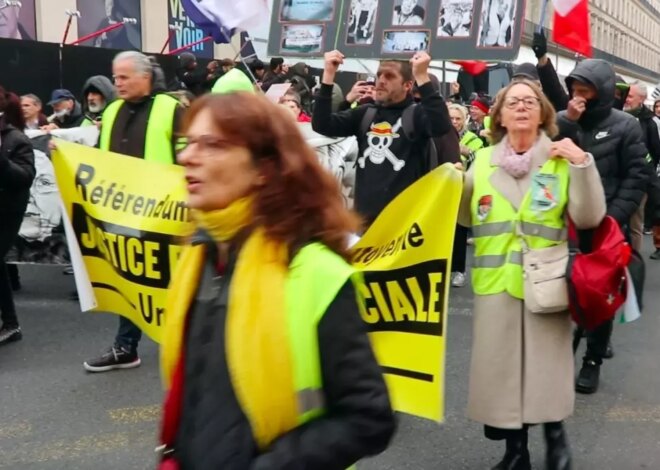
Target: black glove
(540, 45)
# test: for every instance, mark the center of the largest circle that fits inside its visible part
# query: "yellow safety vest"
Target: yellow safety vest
(472, 141)
(158, 142)
(315, 277)
(497, 226)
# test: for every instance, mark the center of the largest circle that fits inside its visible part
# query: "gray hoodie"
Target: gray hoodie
(103, 85)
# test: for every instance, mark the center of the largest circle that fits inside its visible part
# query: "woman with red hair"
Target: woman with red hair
(265, 355)
(16, 175)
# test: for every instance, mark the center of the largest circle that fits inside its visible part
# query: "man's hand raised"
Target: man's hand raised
(333, 60)
(420, 64)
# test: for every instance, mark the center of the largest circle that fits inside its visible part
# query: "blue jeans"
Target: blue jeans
(128, 335)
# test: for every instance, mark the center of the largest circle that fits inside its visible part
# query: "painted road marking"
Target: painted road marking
(68, 450)
(136, 414)
(15, 429)
(633, 414)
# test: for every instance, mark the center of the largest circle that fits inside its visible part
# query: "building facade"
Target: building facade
(626, 33)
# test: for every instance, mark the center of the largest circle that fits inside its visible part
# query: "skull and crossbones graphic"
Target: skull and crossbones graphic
(380, 139)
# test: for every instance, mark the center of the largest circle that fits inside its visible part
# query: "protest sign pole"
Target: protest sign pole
(112, 27)
(191, 45)
(544, 8)
(173, 30)
(70, 14)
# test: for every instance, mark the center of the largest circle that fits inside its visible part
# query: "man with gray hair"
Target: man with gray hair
(141, 123)
(635, 106)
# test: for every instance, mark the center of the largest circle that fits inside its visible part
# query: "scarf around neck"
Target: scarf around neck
(515, 164)
(260, 364)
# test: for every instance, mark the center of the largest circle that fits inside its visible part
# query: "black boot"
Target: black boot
(558, 454)
(588, 378)
(516, 456)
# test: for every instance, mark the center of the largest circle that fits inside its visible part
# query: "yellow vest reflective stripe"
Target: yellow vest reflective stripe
(315, 277)
(496, 225)
(472, 141)
(158, 141)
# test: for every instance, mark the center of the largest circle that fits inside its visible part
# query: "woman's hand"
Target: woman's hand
(566, 149)
(465, 151)
(459, 166)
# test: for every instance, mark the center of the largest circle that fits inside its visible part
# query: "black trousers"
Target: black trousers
(597, 341)
(499, 434)
(460, 249)
(9, 226)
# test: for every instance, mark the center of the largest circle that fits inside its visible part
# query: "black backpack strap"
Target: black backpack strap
(367, 119)
(408, 127)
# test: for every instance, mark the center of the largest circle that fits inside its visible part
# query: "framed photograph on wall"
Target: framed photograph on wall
(362, 20)
(497, 23)
(455, 18)
(304, 39)
(406, 42)
(409, 13)
(18, 20)
(307, 10)
(98, 14)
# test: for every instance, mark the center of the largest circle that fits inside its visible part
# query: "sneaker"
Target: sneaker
(470, 241)
(588, 378)
(9, 334)
(114, 358)
(458, 279)
(68, 271)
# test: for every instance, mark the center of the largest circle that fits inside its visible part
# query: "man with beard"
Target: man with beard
(97, 93)
(615, 140)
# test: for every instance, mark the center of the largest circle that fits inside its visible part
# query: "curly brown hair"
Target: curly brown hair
(300, 202)
(548, 114)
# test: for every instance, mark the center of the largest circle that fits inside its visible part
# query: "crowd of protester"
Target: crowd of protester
(375, 141)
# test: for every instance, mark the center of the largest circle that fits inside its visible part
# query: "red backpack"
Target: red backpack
(597, 277)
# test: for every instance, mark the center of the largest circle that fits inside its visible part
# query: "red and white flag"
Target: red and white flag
(572, 28)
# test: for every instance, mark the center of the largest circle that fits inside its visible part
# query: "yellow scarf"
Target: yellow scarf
(258, 358)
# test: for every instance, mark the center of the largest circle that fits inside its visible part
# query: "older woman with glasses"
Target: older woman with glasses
(518, 195)
(469, 141)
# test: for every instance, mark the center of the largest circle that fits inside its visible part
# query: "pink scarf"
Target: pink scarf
(517, 165)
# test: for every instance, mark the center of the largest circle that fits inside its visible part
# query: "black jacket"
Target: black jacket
(72, 120)
(650, 131)
(613, 137)
(551, 85)
(214, 432)
(379, 182)
(16, 170)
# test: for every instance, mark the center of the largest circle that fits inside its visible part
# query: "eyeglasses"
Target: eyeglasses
(530, 102)
(206, 144)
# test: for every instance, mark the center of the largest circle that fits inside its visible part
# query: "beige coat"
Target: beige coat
(522, 363)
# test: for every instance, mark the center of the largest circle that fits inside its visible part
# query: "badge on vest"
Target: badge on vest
(485, 206)
(545, 192)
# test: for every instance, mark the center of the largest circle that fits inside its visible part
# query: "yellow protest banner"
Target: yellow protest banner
(128, 216)
(406, 260)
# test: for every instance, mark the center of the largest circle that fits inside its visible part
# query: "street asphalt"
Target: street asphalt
(54, 415)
